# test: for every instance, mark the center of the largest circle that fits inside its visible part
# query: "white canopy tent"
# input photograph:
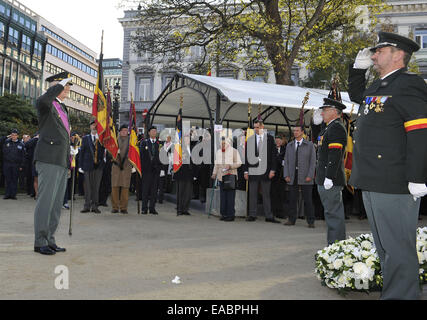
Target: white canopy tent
(225, 101)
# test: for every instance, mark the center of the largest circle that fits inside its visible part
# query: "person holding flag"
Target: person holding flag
(121, 173)
(182, 168)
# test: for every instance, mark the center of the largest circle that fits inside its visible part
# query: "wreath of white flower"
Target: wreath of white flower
(354, 265)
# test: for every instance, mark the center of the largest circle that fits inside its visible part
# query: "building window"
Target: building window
(13, 36)
(38, 49)
(144, 89)
(421, 38)
(26, 43)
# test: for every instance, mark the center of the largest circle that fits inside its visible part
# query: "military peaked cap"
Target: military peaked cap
(331, 103)
(387, 39)
(59, 77)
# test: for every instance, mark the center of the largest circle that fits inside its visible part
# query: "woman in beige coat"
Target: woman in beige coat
(121, 173)
(227, 161)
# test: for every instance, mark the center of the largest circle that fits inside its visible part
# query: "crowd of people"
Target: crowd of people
(292, 194)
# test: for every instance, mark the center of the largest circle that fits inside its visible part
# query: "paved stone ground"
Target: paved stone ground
(136, 257)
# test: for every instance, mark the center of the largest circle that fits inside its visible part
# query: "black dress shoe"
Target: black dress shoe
(85, 211)
(272, 220)
(97, 211)
(179, 214)
(187, 213)
(144, 212)
(124, 212)
(114, 211)
(251, 219)
(222, 218)
(229, 219)
(57, 249)
(6, 198)
(45, 251)
(154, 212)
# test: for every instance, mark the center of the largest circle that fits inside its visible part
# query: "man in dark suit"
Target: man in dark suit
(52, 159)
(278, 185)
(151, 167)
(260, 169)
(184, 178)
(91, 163)
(390, 157)
(330, 177)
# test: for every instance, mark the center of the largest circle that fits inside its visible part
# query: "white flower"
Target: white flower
(348, 261)
(366, 245)
(421, 257)
(366, 254)
(421, 271)
(362, 271)
(371, 261)
(338, 264)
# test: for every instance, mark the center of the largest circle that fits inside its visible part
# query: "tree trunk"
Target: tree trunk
(274, 47)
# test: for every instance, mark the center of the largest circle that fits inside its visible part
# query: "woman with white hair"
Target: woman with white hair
(227, 161)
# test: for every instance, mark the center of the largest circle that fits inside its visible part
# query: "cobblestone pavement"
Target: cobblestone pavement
(114, 256)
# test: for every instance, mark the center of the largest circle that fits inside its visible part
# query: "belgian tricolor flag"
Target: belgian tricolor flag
(134, 155)
(101, 111)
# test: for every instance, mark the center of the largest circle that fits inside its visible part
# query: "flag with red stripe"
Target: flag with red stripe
(134, 154)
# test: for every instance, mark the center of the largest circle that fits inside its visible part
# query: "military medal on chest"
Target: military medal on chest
(375, 103)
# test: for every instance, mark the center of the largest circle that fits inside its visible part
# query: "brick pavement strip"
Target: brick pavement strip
(113, 256)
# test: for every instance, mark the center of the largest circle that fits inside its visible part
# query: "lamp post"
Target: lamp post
(116, 105)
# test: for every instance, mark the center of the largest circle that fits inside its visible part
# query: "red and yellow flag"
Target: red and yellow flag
(134, 155)
(101, 111)
(177, 154)
(348, 159)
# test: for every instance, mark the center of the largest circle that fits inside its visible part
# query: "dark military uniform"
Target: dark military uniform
(332, 142)
(150, 169)
(390, 151)
(52, 159)
(331, 147)
(13, 161)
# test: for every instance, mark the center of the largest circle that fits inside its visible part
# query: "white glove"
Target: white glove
(317, 117)
(418, 190)
(328, 184)
(363, 59)
(65, 81)
(81, 171)
(133, 170)
(162, 173)
(74, 152)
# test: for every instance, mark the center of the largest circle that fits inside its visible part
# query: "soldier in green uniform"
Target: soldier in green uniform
(52, 160)
(330, 176)
(390, 157)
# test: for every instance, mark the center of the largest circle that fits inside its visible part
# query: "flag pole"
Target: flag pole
(138, 178)
(246, 152)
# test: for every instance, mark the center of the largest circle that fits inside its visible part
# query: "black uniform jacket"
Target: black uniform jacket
(54, 143)
(390, 135)
(331, 148)
(150, 160)
(14, 153)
